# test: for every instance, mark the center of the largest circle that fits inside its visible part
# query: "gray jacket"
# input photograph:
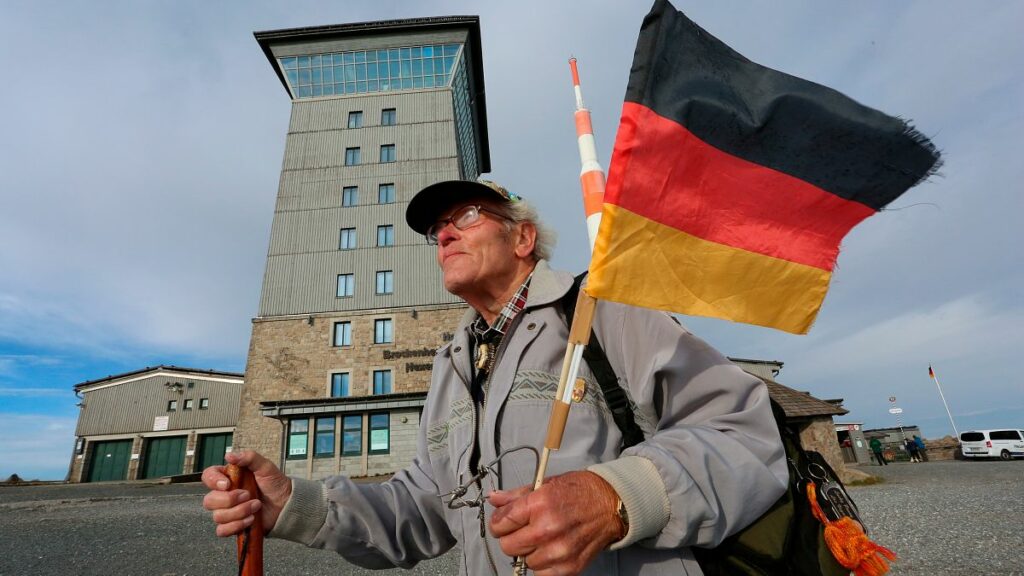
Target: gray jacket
(711, 463)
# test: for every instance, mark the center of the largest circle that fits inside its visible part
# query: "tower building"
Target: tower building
(352, 306)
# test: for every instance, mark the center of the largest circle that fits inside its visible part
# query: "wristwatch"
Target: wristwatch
(623, 518)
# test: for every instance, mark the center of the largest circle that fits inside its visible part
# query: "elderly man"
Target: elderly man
(710, 463)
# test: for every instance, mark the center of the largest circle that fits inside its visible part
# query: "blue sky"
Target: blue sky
(141, 144)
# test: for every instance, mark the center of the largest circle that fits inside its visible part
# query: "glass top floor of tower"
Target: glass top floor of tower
(379, 110)
(386, 56)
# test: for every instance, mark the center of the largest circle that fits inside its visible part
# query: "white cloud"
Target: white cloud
(968, 327)
(35, 446)
(34, 392)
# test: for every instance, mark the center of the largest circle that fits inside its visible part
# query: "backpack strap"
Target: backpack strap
(614, 396)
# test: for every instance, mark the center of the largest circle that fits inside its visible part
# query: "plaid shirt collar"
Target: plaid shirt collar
(512, 308)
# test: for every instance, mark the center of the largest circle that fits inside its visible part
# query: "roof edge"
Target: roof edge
(167, 367)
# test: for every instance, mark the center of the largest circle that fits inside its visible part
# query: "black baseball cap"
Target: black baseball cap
(428, 204)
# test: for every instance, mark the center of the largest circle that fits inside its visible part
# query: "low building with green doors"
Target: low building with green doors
(154, 422)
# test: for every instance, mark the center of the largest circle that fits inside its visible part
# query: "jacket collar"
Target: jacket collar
(547, 286)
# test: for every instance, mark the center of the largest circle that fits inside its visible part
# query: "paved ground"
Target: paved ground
(955, 518)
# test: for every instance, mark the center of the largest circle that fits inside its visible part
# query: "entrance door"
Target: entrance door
(164, 457)
(211, 450)
(109, 460)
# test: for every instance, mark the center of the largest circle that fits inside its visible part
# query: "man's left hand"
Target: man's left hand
(560, 527)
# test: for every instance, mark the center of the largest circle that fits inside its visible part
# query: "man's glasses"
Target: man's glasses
(463, 218)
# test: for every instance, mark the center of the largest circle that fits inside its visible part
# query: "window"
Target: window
(323, 438)
(388, 116)
(380, 433)
(346, 285)
(387, 153)
(385, 194)
(382, 331)
(355, 119)
(351, 156)
(188, 403)
(350, 196)
(352, 435)
(386, 235)
(298, 439)
(367, 71)
(342, 333)
(339, 385)
(385, 282)
(204, 403)
(382, 381)
(348, 239)
(172, 405)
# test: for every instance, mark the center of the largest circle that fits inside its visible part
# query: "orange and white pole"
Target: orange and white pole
(591, 174)
(592, 180)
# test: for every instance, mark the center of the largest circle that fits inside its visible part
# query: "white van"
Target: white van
(1005, 444)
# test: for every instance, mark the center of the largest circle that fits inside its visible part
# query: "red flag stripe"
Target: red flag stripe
(663, 172)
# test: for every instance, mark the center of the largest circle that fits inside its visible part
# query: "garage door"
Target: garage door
(109, 460)
(164, 457)
(211, 450)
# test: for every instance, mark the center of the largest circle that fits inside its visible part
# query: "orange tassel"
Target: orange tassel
(848, 543)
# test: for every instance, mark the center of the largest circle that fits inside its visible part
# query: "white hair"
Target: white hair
(522, 211)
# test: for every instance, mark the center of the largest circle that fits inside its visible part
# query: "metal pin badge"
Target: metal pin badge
(579, 390)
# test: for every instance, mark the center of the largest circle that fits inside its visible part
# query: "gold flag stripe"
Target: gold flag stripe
(641, 262)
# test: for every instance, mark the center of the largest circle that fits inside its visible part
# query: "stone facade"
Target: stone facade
(293, 358)
(820, 435)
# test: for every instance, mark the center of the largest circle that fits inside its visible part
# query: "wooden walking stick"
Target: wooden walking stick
(250, 541)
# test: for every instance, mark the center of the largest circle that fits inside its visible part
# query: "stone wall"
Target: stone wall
(819, 435)
(293, 359)
(943, 449)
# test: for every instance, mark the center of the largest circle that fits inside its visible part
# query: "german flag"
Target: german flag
(731, 185)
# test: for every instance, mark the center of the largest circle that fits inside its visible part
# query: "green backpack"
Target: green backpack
(785, 540)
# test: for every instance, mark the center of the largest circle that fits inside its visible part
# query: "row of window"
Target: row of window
(172, 405)
(341, 383)
(382, 332)
(385, 237)
(363, 71)
(324, 436)
(347, 283)
(385, 194)
(388, 117)
(353, 155)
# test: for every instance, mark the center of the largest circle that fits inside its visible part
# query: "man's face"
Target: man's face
(479, 259)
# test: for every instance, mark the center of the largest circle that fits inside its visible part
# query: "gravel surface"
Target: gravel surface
(948, 517)
(940, 517)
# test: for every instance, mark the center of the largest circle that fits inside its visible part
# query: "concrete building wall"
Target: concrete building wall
(291, 353)
(124, 407)
(136, 407)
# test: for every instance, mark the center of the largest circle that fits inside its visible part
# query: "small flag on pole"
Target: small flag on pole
(930, 373)
(731, 185)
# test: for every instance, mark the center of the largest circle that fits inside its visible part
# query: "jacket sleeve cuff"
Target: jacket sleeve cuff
(642, 491)
(304, 514)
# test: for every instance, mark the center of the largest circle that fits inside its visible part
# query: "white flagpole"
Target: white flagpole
(941, 395)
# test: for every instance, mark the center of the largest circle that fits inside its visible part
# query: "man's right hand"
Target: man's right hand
(233, 510)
